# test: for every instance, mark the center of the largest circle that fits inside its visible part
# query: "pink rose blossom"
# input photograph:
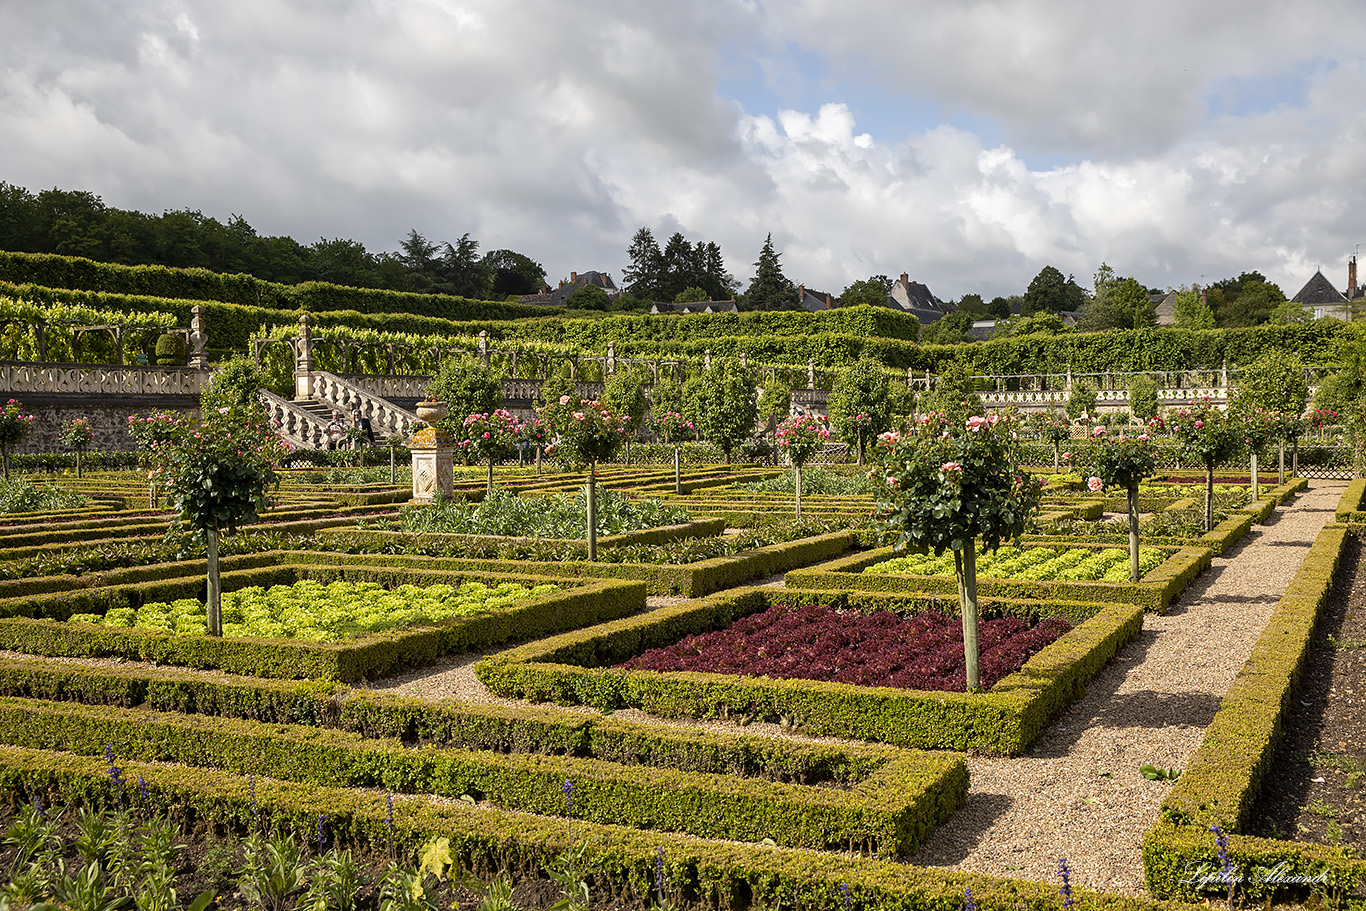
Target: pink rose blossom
(892, 483)
(977, 423)
(1098, 432)
(1095, 484)
(948, 467)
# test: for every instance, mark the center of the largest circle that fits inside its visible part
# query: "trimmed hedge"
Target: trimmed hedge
(698, 528)
(577, 604)
(575, 668)
(1222, 778)
(77, 273)
(1350, 505)
(691, 580)
(1153, 592)
(887, 811)
(619, 862)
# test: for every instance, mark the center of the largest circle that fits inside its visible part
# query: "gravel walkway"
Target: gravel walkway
(1078, 792)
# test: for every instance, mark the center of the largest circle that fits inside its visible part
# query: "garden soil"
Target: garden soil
(1315, 789)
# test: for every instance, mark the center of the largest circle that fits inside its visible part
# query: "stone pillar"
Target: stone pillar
(198, 339)
(303, 361)
(484, 347)
(706, 359)
(433, 457)
(810, 373)
(611, 362)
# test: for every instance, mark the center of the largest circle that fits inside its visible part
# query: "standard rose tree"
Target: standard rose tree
(593, 433)
(492, 437)
(1124, 462)
(947, 485)
(1207, 433)
(77, 435)
(217, 475)
(800, 437)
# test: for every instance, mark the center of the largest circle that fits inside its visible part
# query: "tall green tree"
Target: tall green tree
(955, 393)
(1275, 381)
(770, 289)
(1247, 300)
(724, 402)
(1192, 312)
(871, 292)
(467, 388)
(858, 403)
(514, 273)
(1050, 291)
(643, 277)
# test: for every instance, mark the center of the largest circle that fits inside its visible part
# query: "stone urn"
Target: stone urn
(431, 412)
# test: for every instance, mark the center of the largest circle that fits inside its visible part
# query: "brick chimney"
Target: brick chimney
(905, 280)
(1352, 277)
(573, 277)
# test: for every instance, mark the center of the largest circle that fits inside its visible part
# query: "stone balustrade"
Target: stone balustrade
(337, 393)
(20, 377)
(300, 427)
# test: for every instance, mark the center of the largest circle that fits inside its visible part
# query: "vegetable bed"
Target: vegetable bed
(818, 642)
(1040, 564)
(332, 612)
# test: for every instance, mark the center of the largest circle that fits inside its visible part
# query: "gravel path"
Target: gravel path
(1078, 792)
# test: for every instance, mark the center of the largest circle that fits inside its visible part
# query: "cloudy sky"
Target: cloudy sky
(966, 143)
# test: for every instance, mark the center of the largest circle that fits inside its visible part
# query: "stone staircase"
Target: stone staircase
(303, 421)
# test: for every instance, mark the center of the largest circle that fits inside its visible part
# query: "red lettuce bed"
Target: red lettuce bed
(817, 642)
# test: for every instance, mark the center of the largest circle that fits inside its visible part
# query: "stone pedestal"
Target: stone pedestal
(433, 457)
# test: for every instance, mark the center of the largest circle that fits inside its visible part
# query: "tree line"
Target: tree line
(78, 223)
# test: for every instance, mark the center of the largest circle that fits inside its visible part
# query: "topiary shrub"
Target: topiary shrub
(170, 351)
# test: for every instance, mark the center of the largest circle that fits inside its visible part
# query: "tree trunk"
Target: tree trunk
(78, 463)
(678, 473)
(4, 456)
(797, 473)
(214, 601)
(967, 586)
(1280, 474)
(592, 500)
(489, 489)
(1209, 498)
(1133, 533)
(860, 445)
(1057, 457)
(538, 459)
(1295, 459)
(393, 470)
(1256, 481)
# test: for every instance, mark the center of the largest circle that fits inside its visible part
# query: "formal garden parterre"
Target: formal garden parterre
(243, 736)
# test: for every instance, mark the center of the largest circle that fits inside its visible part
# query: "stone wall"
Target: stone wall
(108, 418)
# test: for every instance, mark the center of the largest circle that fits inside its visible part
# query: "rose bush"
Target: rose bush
(491, 437)
(1209, 434)
(946, 486)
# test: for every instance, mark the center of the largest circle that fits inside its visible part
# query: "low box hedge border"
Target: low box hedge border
(576, 668)
(697, 528)
(691, 580)
(888, 812)
(1223, 776)
(578, 603)
(1350, 504)
(1153, 592)
(477, 726)
(619, 863)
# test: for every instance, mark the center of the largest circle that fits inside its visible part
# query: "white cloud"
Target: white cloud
(558, 129)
